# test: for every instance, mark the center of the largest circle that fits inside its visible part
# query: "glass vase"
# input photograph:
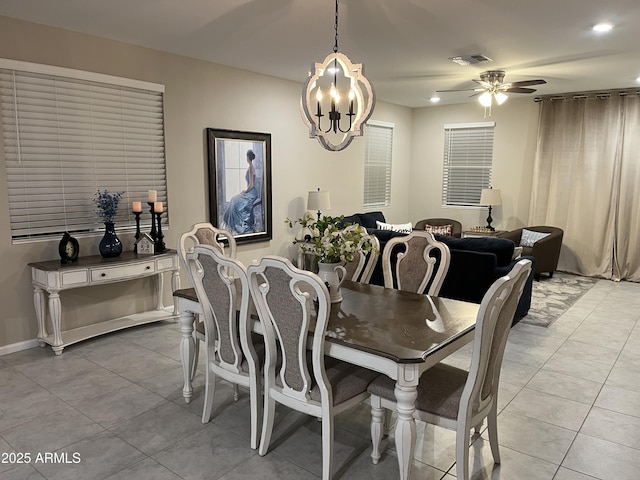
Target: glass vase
(110, 245)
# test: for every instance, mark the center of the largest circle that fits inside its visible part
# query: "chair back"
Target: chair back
(284, 298)
(415, 267)
(363, 263)
(204, 234)
(495, 317)
(222, 287)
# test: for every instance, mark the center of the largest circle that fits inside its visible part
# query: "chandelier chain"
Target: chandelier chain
(335, 46)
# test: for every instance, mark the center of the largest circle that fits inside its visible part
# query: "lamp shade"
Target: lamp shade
(318, 200)
(485, 99)
(490, 196)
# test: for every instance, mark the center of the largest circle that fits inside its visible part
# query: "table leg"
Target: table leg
(38, 303)
(55, 312)
(175, 285)
(159, 288)
(187, 347)
(406, 393)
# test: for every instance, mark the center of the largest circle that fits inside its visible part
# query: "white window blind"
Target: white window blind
(468, 157)
(377, 164)
(68, 134)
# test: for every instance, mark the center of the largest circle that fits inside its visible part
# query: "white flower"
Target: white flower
(336, 243)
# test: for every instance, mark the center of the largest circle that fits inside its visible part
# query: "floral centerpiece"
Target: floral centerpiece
(330, 240)
(107, 205)
(333, 243)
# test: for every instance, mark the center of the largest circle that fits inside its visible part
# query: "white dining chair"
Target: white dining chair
(408, 263)
(201, 234)
(303, 380)
(458, 399)
(232, 352)
(363, 263)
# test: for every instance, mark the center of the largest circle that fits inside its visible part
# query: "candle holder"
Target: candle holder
(153, 232)
(137, 235)
(160, 246)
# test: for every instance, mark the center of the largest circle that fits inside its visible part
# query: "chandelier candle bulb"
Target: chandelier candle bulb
(153, 195)
(136, 207)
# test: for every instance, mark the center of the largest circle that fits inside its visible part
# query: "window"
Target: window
(377, 164)
(68, 134)
(468, 154)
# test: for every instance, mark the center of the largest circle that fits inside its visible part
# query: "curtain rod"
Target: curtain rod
(593, 94)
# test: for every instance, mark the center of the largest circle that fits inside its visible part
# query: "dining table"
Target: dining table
(398, 333)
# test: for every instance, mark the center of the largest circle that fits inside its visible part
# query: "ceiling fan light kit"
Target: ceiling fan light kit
(338, 89)
(491, 87)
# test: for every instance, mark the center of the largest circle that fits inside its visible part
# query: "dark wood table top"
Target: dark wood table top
(402, 326)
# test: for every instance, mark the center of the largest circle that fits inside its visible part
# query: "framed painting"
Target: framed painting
(240, 183)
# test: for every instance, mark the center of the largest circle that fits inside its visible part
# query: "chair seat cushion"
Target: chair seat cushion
(258, 345)
(439, 390)
(347, 381)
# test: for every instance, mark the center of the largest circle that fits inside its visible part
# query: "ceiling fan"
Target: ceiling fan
(492, 87)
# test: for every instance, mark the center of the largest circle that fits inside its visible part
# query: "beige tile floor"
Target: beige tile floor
(113, 408)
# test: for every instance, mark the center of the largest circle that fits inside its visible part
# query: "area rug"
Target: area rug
(551, 297)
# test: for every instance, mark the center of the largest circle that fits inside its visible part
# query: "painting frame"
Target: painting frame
(246, 213)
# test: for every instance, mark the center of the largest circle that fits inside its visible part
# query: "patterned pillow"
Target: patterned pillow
(438, 229)
(529, 237)
(399, 227)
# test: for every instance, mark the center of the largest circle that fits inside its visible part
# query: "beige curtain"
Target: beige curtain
(587, 182)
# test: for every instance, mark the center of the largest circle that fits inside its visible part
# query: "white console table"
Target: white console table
(52, 277)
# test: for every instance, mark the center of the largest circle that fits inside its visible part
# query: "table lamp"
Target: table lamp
(318, 200)
(490, 197)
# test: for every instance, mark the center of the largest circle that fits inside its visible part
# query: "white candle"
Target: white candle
(136, 206)
(158, 207)
(153, 195)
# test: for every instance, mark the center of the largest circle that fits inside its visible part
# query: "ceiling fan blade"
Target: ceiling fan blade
(526, 83)
(457, 90)
(483, 83)
(519, 90)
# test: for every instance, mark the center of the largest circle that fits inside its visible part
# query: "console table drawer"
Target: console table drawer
(74, 278)
(109, 274)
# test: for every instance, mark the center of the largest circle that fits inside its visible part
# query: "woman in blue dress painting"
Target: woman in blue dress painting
(239, 214)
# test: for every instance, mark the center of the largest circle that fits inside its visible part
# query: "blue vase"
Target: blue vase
(110, 245)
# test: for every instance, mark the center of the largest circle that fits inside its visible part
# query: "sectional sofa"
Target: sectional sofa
(475, 262)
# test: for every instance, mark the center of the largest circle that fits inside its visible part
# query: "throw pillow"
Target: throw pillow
(438, 229)
(399, 227)
(529, 237)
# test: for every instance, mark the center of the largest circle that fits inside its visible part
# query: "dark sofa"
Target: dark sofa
(475, 263)
(478, 262)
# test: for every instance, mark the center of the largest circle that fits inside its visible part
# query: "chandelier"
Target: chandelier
(337, 89)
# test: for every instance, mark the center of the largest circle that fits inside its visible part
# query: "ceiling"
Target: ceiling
(404, 44)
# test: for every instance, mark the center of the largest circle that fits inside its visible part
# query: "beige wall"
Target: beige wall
(516, 123)
(198, 95)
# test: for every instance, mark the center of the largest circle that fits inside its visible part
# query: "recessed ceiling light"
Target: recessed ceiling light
(638, 79)
(602, 27)
(434, 99)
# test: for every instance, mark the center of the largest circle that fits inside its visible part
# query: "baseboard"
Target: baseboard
(17, 347)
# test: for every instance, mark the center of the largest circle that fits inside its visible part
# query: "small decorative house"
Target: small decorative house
(145, 245)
